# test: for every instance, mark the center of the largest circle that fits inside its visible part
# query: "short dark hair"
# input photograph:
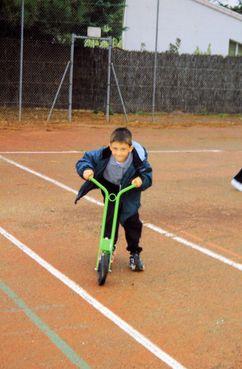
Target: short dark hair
(121, 135)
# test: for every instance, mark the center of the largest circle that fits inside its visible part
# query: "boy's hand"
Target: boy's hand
(137, 182)
(87, 174)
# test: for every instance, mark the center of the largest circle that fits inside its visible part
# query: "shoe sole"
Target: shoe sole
(135, 268)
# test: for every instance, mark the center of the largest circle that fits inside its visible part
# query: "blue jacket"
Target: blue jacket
(97, 160)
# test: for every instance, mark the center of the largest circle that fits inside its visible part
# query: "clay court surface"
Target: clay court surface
(183, 311)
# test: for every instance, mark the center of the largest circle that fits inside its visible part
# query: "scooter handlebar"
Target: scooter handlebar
(98, 184)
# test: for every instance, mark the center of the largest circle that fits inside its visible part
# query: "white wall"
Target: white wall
(190, 20)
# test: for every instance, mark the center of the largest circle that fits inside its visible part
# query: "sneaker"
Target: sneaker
(238, 176)
(236, 184)
(237, 181)
(135, 262)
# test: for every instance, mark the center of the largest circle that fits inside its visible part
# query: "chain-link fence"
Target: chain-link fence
(185, 83)
(38, 82)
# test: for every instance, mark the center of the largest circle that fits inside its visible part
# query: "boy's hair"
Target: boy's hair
(121, 135)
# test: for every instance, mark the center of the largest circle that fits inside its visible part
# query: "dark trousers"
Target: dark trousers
(132, 226)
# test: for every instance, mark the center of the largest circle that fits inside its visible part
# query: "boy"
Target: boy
(237, 181)
(116, 166)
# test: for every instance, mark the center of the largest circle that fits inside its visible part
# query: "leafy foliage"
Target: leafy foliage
(174, 48)
(56, 19)
(237, 8)
(207, 52)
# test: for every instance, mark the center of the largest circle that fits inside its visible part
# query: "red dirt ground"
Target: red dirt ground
(185, 302)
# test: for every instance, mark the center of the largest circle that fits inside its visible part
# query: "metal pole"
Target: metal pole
(109, 78)
(71, 77)
(119, 92)
(21, 63)
(155, 61)
(58, 90)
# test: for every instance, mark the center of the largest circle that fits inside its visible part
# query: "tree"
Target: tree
(57, 19)
(108, 15)
(48, 19)
(174, 48)
(237, 8)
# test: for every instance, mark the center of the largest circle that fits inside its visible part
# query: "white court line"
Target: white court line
(81, 151)
(41, 152)
(132, 332)
(159, 230)
(184, 151)
(48, 179)
(194, 246)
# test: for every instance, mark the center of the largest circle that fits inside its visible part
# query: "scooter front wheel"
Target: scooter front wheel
(103, 268)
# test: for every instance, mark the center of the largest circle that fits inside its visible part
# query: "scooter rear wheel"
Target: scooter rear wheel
(103, 268)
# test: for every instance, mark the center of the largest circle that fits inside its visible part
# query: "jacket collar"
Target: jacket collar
(106, 152)
(136, 159)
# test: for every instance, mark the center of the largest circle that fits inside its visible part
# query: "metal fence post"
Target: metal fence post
(71, 77)
(119, 92)
(58, 90)
(109, 78)
(21, 63)
(155, 61)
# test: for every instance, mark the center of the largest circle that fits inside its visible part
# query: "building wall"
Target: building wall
(196, 24)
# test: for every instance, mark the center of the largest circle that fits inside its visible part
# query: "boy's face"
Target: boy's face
(120, 150)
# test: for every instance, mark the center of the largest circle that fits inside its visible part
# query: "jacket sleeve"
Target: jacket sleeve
(88, 161)
(143, 167)
(145, 173)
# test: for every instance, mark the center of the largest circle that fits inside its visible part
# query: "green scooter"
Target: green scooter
(105, 250)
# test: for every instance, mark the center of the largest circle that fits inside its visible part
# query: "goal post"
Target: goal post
(93, 33)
